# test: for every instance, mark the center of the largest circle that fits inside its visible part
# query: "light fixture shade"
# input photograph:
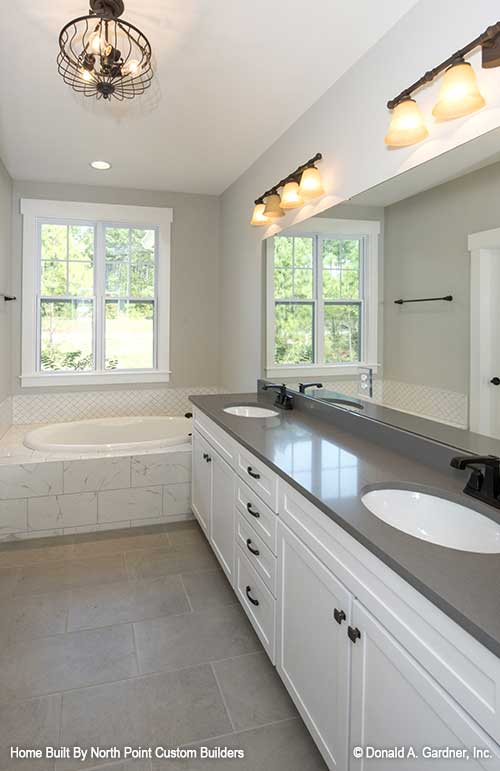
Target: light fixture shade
(407, 125)
(290, 196)
(273, 210)
(258, 216)
(459, 94)
(311, 185)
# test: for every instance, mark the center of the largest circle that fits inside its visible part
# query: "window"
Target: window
(322, 300)
(95, 293)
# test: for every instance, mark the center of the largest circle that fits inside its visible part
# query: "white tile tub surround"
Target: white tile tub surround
(79, 405)
(5, 415)
(87, 495)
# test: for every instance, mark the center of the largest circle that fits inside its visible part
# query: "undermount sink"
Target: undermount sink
(247, 411)
(434, 519)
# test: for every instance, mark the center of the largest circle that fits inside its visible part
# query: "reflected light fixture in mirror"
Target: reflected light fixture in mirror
(273, 210)
(311, 185)
(459, 94)
(258, 216)
(290, 197)
(407, 125)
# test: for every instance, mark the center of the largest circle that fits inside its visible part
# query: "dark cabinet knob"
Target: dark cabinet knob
(252, 473)
(495, 381)
(353, 633)
(252, 599)
(339, 615)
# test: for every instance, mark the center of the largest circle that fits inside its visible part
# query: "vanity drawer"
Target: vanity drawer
(258, 602)
(220, 441)
(258, 476)
(257, 514)
(262, 559)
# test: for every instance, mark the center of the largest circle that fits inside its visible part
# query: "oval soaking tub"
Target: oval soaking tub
(109, 434)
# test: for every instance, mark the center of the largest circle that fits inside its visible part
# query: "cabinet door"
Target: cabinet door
(313, 655)
(222, 514)
(396, 703)
(201, 494)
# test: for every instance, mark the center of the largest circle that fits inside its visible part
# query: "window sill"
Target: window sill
(48, 380)
(318, 370)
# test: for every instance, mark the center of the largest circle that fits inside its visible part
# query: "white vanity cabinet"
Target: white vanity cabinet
(396, 703)
(213, 500)
(201, 482)
(313, 654)
(366, 658)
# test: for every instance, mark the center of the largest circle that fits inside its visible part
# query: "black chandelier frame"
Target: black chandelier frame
(77, 59)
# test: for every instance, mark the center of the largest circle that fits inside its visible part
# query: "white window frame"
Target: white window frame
(35, 211)
(321, 229)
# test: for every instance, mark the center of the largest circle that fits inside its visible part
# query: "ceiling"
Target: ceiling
(231, 77)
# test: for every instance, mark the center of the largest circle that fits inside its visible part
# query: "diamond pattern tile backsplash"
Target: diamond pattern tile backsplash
(5, 415)
(60, 407)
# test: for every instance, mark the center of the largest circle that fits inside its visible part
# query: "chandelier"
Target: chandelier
(103, 56)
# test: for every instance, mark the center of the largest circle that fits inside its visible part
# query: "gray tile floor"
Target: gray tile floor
(136, 638)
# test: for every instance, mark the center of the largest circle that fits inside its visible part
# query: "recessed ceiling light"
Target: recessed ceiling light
(100, 165)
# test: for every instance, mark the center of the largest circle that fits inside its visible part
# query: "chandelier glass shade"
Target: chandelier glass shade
(103, 56)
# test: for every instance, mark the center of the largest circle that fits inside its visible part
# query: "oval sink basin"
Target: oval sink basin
(244, 411)
(435, 520)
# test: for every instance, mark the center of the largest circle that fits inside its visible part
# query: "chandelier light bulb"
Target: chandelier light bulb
(407, 125)
(459, 94)
(290, 197)
(132, 68)
(86, 75)
(311, 185)
(95, 42)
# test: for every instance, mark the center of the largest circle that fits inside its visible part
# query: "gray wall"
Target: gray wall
(194, 331)
(5, 287)
(426, 256)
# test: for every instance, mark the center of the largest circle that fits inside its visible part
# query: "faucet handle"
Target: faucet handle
(464, 461)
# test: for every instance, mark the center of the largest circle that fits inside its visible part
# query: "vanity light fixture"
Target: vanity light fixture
(103, 56)
(459, 94)
(299, 187)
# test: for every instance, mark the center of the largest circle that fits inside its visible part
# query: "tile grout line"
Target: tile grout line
(186, 592)
(241, 731)
(138, 676)
(224, 702)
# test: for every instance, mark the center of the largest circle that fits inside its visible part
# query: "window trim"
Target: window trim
(321, 228)
(34, 210)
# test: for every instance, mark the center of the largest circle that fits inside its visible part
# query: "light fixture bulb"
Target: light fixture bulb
(407, 125)
(459, 94)
(95, 41)
(258, 217)
(86, 75)
(100, 165)
(273, 210)
(311, 185)
(132, 68)
(290, 196)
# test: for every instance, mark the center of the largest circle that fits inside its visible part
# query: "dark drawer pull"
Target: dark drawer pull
(205, 455)
(254, 551)
(339, 615)
(252, 512)
(252, 473)
(252, 599)
(353, 633)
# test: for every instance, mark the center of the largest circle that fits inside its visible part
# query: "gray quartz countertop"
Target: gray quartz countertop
(332, 467)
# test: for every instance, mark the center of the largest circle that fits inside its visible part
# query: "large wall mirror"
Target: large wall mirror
(391, 300)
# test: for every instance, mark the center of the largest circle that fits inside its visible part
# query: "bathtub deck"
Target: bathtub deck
(12, 449)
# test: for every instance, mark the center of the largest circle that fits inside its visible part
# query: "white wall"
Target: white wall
(194, 338)
(5, 287)
(347, 125)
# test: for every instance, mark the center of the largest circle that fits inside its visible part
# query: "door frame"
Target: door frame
(484, 249)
